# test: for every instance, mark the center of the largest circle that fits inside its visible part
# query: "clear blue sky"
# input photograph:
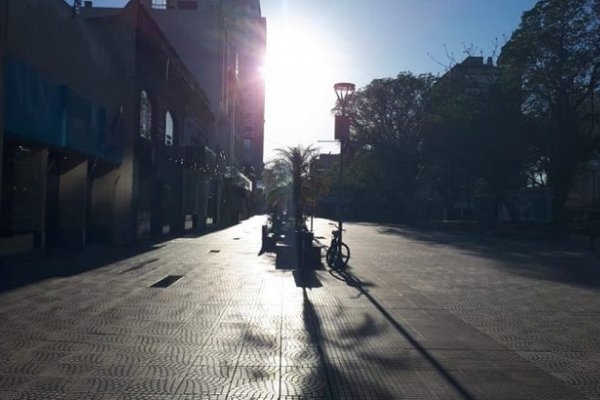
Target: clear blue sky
(360, 40)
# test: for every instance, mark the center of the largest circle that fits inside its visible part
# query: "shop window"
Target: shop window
(145, 116)
(168, 129)
(159, 4)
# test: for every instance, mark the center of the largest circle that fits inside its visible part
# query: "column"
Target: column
(72, 203)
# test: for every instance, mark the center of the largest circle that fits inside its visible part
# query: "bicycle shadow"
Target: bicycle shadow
(362, 287)
(346, 275)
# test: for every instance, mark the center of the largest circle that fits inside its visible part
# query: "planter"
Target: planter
(298, 251)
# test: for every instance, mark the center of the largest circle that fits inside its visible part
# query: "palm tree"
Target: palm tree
(290, 170)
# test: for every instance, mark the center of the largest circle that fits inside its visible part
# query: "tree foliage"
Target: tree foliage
(290, 181)
(554, 55)
(387, 119)
(484, 130)
(476, 139)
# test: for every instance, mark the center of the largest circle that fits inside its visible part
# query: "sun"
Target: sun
(298, 61)
(299, 72)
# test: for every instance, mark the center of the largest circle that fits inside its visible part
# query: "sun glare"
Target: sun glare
(299, 73)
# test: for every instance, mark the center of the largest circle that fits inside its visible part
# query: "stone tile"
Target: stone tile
(422, 316)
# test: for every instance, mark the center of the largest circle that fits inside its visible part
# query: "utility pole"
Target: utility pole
(3, 55)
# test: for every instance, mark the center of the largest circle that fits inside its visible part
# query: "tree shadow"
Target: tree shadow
(338, 383)
(534, 254)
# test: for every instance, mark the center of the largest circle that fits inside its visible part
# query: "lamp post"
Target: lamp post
(344, 92)
(595, 66)
(593, 166)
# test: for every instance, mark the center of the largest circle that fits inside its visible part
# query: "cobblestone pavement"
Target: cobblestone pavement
(418, 316)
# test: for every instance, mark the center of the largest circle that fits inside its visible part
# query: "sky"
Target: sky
(311, 44)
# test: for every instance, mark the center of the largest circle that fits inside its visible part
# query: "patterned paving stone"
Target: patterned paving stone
(421, 316)
(308, 382)
(208, 380)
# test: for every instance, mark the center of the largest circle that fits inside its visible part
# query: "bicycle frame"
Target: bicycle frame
(338, 253)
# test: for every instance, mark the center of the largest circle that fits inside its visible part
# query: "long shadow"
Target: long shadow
(355, 282)
(312, 323)
(306, 278)
(546, 256)
(338, 385)
(24, 269)
(140, 265)
(18, 271)
(343, 276)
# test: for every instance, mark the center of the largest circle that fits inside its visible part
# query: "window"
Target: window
(187, 5)
(247, 144)
(159, 4)
(168, 129)
(145, 116)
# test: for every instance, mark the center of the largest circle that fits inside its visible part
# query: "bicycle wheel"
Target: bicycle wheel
(338, 260)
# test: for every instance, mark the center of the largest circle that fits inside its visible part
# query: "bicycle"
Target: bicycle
(338, 252)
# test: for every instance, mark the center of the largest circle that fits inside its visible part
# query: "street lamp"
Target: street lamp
(595, 65)
(593, 166)
(344, 92)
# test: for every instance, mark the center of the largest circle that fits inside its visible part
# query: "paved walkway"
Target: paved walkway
(418, 316)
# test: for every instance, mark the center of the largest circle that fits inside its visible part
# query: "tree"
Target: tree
(387, 116)
(451, 148)
(552, 55)
(288, 178)
(478, 141)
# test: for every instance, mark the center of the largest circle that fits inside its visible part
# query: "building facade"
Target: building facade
(55, 125)
(223, 44)
(105, 130)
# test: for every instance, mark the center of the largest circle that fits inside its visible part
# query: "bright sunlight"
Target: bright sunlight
(299, 72)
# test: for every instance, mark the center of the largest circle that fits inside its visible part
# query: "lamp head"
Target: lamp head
(344, 91)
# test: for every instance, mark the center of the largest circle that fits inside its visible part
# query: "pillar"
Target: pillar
(72, 203)
(28, 193)
(3, 46)
(124, 229)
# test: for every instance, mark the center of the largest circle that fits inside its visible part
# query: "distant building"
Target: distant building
(223, 44)
(167, 159)
(475, 75)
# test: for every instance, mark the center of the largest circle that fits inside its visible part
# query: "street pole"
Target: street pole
(593, 166)
(4, 10)
(593, 213)
(343, 91)
(341, 197)
(593, 190)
